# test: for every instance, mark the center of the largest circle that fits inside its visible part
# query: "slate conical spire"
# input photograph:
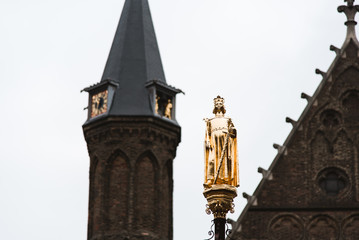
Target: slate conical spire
(134, 60)
(134, 50)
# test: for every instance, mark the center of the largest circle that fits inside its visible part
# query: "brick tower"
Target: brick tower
(311, 190)
(132, 136)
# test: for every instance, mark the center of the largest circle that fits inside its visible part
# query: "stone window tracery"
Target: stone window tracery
(351, 100)
(330, 118)
(332, 181)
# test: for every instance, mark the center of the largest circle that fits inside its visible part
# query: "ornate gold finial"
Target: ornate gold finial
(221, 164)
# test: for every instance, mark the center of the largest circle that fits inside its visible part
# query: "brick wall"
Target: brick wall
(131, 177)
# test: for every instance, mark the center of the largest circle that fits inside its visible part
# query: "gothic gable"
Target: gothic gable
(311, 189)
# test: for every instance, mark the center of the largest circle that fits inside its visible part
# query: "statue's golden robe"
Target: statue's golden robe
(220, 130)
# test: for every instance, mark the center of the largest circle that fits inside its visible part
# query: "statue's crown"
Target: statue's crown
(218, 99)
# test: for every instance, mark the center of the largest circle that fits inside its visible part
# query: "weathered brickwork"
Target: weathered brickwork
(131, 177)
(313, 224)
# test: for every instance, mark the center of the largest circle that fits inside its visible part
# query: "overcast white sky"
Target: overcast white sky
(259, 55)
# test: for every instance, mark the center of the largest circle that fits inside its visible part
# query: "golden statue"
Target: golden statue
(156, 107)
(168, 109)
(221, 164)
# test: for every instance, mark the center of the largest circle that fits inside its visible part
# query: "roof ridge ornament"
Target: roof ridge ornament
(350, 11)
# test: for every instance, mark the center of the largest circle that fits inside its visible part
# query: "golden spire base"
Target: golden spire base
(220, 199)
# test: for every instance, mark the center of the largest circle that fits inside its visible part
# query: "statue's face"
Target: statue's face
(218, 105)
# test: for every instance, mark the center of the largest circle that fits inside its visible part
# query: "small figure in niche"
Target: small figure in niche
(168, 109)
(156, 108)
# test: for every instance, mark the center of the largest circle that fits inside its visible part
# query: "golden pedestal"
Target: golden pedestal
(220, 199)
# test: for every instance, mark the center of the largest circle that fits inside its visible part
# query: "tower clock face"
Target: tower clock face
(99, 103)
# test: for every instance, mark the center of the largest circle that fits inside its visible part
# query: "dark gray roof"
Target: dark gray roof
(134, 60)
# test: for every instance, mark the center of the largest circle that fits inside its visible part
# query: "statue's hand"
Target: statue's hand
(233, 132)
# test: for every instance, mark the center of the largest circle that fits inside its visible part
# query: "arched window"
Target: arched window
(117, 194)
(146, 194)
